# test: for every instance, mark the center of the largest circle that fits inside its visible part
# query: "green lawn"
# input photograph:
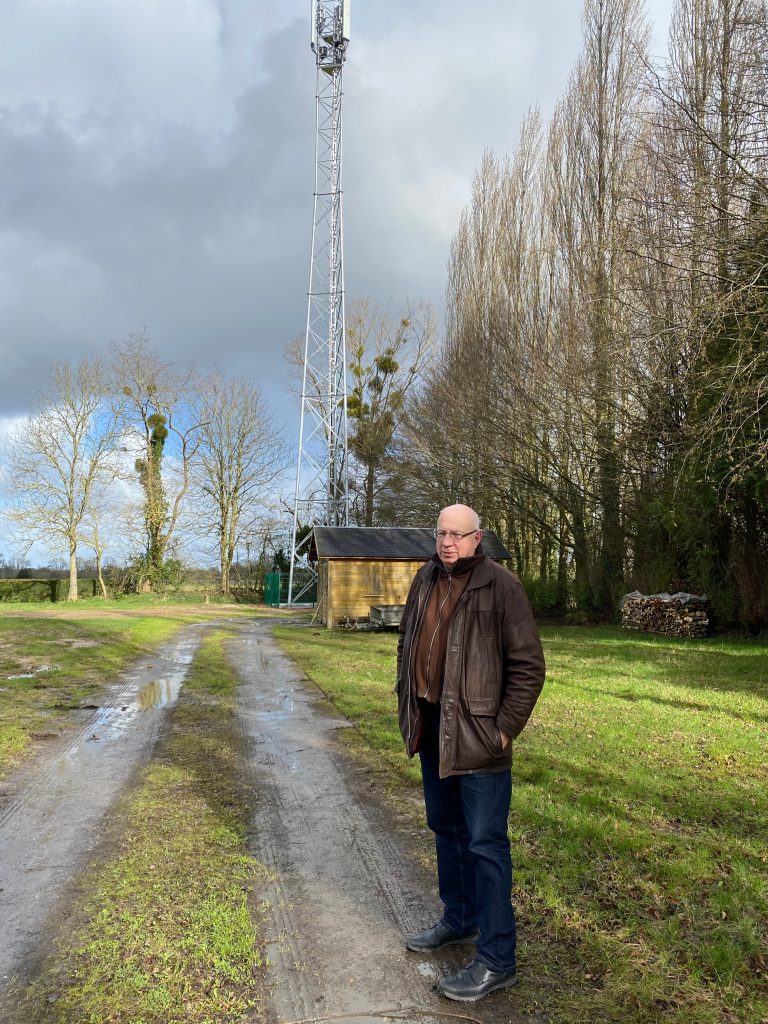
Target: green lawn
(639, 823)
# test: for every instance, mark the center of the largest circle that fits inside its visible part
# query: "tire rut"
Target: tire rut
(346, 887)
(49, 823)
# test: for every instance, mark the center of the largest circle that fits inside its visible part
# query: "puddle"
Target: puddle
(158, 693)
(412, 1015)
(285, 710)
(31, 675)
(74, 642)
(49, 829)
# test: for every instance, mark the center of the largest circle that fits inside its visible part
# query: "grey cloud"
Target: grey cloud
(184, 202)
(206, 245)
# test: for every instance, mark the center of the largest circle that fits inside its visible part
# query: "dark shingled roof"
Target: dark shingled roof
(380, 542)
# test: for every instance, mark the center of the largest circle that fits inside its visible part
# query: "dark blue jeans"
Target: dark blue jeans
(469, 814)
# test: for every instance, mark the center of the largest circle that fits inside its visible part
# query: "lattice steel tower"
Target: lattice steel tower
(322, 489)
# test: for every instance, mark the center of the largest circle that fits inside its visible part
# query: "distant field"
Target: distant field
(639, 817)
(196, 599)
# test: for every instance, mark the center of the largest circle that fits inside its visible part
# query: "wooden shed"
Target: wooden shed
(362, 566)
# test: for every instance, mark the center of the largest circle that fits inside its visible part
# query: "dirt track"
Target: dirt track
(347, 885)
(51, 813)
(347, 881)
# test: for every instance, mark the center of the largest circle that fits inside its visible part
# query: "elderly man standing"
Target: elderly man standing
(469, 672)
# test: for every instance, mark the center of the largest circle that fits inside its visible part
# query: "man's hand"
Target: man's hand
(504, 739)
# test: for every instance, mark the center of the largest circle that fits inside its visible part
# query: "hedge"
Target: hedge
(43, 590)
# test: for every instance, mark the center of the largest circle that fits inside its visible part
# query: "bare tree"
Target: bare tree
(604, 101)
(58, 458)
(108, 515)
(703, 241)
(92, 538)
(602, 394)
(533, 381)
(240, 454)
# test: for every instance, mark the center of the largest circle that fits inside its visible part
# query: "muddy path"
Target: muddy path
(347, 884)
(51, 811)
(347, 879)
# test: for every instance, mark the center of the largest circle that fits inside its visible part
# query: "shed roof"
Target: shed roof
(409, 543)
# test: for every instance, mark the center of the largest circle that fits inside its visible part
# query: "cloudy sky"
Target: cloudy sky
(157, 165)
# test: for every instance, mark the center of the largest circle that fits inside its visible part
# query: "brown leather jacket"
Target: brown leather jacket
(494, 669)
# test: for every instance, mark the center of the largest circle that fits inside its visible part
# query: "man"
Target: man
(469, 672)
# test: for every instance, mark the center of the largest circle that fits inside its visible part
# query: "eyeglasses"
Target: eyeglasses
(451, 534)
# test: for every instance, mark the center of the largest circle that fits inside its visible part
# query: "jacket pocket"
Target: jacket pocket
(482, 670)
(482, 717)
(484, 706)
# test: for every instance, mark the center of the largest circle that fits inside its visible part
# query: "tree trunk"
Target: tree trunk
(225, 560)
(582, 562)
(562, 563)
(611, 564)
(370, 482)
(72, 595)
(102, 585)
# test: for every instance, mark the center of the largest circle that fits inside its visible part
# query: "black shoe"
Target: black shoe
(474, 982)
(437, 937)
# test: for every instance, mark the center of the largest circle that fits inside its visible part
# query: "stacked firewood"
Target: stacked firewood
(669, 614)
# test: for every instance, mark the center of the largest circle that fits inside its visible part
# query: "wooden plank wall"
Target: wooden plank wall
(354, 586)
(322, 591)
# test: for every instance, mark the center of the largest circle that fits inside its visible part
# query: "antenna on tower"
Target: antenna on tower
(322, 486)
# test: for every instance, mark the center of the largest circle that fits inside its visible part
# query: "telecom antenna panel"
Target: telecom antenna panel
(322, 488)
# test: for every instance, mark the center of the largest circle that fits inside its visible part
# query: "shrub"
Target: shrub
(43, 590)
(542, 594)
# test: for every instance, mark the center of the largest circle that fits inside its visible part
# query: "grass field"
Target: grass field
(168, 934)
(639, 824)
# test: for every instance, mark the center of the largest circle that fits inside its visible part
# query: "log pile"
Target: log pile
(669, 614)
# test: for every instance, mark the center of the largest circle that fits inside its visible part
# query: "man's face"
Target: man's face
(449, 548)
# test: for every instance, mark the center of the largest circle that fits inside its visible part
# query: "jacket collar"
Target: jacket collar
(480, 573)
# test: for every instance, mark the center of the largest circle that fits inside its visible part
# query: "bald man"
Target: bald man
(469, 672)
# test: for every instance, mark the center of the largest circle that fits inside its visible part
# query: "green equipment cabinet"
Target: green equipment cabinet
(272, 588)
(276, 588)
